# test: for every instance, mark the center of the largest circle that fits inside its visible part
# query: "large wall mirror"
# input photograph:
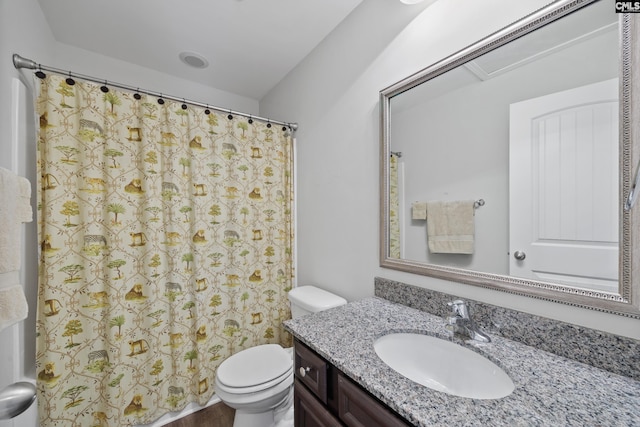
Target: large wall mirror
(507, 165)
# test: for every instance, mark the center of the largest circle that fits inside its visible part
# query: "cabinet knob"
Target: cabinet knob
(303, 371)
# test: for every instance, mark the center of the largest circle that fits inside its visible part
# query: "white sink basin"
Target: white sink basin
(443, 365)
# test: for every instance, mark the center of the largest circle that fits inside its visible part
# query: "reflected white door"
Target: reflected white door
(564, 187)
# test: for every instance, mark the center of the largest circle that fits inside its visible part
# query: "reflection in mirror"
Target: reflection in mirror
(502, 165)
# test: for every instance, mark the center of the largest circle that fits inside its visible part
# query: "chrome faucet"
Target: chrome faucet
(462, 323)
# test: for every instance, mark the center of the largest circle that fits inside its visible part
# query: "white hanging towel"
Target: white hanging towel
(13, 306)
(25, 213)
(450, 227)
(15, 208)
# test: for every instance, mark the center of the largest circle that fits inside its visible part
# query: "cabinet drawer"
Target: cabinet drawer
(308, 411)
(311, 370)
(358, 409)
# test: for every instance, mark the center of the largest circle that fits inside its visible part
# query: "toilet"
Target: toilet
(258, 382)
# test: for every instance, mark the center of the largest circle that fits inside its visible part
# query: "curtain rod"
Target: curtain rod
(20, 62)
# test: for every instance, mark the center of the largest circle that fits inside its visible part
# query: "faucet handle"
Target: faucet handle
(459, 308)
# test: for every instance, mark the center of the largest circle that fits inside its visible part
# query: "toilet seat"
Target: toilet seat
(256, 388)
(254, 369)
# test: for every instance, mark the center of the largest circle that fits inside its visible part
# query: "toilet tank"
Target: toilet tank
(310, 299)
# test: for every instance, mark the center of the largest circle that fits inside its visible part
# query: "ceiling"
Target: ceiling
(250, 44)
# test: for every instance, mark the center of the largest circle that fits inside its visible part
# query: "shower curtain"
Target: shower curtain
(394, 208)
(165, 234)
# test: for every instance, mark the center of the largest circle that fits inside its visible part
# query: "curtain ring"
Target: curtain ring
(137, 95)
(104, 87)
(268, 123)
(230, 116)
(160, 100)
(250, 120)
(40, 74)
(69, 80)
(207, 111)
(184, 105)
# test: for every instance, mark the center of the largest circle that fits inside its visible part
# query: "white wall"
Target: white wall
(333, 95)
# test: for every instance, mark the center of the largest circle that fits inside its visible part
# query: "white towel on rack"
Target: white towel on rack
(450, 227)
(25, 213)
(13, 306)
(15, 208)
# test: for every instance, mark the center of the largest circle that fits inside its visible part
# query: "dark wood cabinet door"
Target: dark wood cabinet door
(311, 370)
(308, 411)
(358, 409)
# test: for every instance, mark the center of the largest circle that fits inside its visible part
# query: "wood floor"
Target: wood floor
(218, 415)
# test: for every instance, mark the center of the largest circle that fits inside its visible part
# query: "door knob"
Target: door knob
(519, 255)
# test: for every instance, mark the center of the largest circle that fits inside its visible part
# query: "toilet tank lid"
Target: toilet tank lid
(314, 299)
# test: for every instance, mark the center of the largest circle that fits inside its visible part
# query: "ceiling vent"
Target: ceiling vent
(194, 60)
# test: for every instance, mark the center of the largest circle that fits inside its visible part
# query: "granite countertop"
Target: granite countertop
(549, 390)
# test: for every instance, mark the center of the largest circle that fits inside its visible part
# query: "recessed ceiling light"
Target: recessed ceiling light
(411, 1)
(194, 59)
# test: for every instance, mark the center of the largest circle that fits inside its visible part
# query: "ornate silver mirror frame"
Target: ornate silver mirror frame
(627, 301)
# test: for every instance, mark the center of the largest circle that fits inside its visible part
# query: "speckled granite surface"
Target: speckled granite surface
(614, 353)
(550, 390)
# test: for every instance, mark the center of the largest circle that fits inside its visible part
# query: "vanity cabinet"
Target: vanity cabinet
(325, 397)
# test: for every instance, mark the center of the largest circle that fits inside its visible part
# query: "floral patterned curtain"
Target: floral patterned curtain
(394, 209)
(166, 236)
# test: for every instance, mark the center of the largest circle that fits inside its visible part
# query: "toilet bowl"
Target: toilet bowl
(258, 382)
